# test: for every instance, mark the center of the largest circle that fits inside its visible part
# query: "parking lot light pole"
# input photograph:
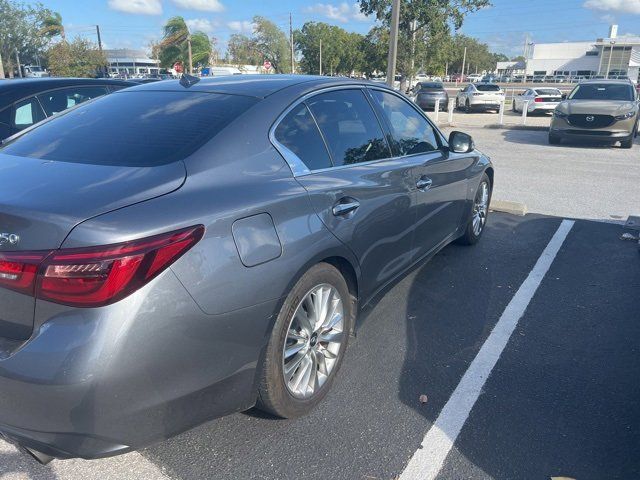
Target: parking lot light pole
(393, 43)
(610, 55)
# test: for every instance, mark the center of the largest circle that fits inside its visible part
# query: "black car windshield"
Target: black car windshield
(431, 86)
(602, 91)
(140, 128)
(487, 88)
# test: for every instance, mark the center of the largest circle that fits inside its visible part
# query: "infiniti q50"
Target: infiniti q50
(182, 250)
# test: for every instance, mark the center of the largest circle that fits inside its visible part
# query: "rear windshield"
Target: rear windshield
(141, 129)
(602, 91)
(431, 86)
(548, 91)
(487, 88)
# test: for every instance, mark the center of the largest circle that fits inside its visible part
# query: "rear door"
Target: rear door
(363, 195)
(439, 177)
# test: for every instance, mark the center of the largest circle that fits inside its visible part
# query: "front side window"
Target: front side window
(298, 132)
(57, 101)
(411, 133)
(349, 126)
(26, 113)
(133, 129)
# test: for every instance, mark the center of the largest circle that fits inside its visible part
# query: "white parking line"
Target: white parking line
(426, 463)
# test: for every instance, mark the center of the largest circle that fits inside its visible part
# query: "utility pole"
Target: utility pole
(414, 27)
(393, 43)
(293, 65)
(18, 62)
(464, 61)
(100, 48)
(190, 55)
(320, 63)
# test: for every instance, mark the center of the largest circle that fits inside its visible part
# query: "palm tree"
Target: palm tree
(179, 44)
(52, 26)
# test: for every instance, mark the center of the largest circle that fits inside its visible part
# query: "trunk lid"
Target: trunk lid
(41, 201)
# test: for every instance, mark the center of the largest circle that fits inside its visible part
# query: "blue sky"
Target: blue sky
(134, 23)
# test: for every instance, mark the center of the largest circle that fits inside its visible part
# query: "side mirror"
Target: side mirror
(460, 142)
(564, 96)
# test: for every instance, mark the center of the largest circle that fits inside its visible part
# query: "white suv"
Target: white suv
(480, 96)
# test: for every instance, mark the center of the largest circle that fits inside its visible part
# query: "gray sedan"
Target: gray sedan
(182, 250)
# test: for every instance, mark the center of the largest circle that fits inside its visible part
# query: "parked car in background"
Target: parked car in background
(480, 96)
(150, 286)
(28, 101)
(489, 79)
(539, 78)
(602, 110)
(33, 71)
(426, 94)
(539, 100)
(457, 77)
(474, 77)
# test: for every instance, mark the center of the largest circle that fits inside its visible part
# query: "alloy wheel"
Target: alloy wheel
(313, 342)
(480, 208)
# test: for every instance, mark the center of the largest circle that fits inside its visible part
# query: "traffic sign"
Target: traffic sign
(267, 65)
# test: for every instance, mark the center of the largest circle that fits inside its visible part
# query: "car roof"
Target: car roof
(619, 81)
(16, 89)
(259, 86)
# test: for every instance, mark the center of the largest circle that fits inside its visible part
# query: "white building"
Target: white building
(612, 56)
(126, 62)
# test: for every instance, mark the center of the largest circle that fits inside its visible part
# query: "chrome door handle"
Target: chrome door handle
(341, 209)
(424, 184)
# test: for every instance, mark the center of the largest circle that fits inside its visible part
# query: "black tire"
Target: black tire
(457, 104)
(554, 139)
(628, 142)
(274, 396)
(470, 236)
(467, 107)
(513, 106)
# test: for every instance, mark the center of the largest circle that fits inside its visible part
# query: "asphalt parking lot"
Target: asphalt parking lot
(561, 400)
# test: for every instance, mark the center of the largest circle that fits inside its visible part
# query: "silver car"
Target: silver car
(480, 96)
(537, 100)
(178, 251)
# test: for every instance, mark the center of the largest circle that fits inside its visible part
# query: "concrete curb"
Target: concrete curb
(504, 206)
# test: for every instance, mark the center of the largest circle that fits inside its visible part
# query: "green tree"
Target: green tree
(243, 50)
(272, 44)
(424, 19)
(21, 32)
(174, 46)
(342, 51)
(52, 26)
(79, 58)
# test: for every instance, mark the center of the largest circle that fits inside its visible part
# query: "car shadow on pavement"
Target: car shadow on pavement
(533, 137)
(17, 465)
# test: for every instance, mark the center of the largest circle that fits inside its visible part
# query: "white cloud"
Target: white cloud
(242, 26)
(202, 5)
(202, 25)
(343, 12)
(144, 7)
(619, 6)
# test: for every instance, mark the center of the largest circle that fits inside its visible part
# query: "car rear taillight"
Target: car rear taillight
(18, 270)
(539, 100)
(94, 276)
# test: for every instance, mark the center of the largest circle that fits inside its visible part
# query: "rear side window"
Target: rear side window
(57, 101)
(411, 133)
(298, 132)
(349, 126)
(26, 113)
(144, 128)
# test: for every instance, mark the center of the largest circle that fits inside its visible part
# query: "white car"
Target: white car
(480, 96)
(474, 77)
(539, 100)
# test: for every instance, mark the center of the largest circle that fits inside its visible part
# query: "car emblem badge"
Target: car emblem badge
(9, 238)
(590, 118)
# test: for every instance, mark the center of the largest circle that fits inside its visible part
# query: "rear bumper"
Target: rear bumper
(484, 104)
(93, 383)
(431, 103)
(547, 107)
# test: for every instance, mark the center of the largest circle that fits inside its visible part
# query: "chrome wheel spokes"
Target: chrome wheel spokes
(313, 341)
(480, 208)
